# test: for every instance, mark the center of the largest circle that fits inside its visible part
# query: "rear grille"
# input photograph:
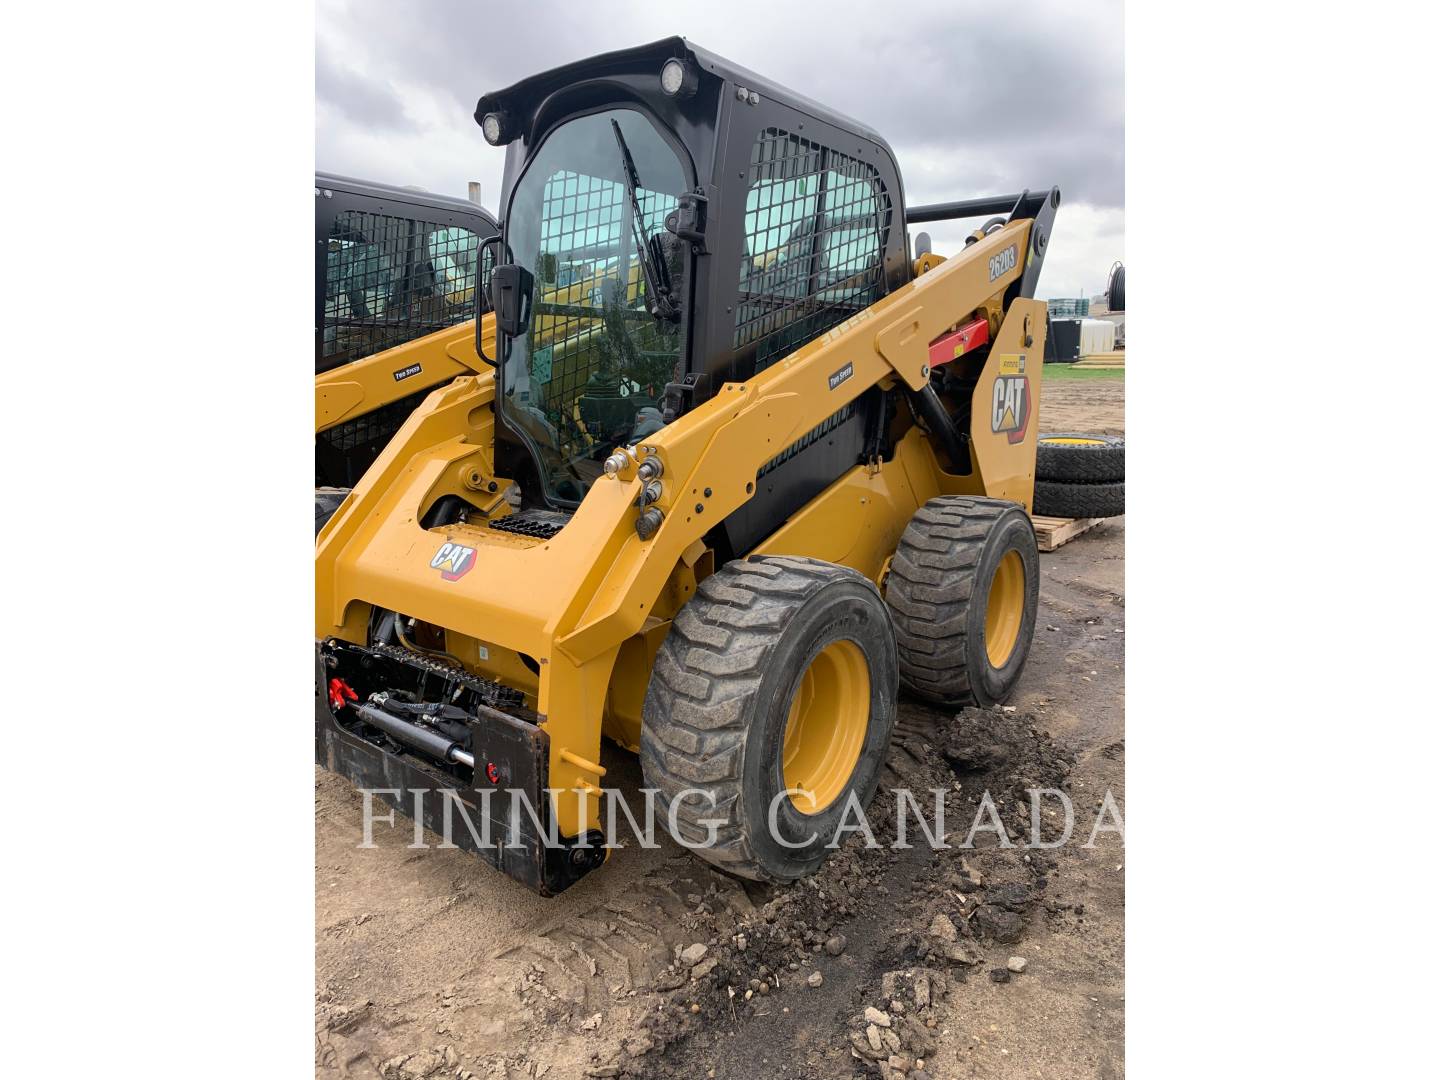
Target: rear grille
(808, 439)
(541, 524)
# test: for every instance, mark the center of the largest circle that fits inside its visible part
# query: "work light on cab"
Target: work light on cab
(678, 79)
(496, 127)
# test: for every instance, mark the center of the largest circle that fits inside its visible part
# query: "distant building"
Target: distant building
(1068, 308)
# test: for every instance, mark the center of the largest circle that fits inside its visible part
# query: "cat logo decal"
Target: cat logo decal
(453, 561)
(1010, 399)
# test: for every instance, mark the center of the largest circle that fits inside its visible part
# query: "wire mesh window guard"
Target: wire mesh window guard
(389, 280)
(589, 276)
(815, 224)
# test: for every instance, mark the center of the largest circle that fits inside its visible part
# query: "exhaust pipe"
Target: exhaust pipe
(432, 742)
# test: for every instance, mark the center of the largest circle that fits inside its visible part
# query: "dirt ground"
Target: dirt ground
(431, 964)
(1096, 405)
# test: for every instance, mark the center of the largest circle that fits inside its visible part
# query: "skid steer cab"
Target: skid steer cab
(739, 463)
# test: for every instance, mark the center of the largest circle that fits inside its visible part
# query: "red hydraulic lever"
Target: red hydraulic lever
(957, 343)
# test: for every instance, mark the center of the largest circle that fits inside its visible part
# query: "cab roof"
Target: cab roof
(413, 196)
(524, 98)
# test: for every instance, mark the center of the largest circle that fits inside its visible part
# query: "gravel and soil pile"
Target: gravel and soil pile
(858, 956)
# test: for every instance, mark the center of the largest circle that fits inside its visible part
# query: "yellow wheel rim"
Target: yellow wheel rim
(1005, 609)
(1073, 441)
(825, 730)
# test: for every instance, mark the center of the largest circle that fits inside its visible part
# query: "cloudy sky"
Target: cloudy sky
(974, 98)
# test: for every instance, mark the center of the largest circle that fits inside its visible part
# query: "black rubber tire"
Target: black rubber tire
(938, 591)
(327, 501)
(1090, 464)
(719, 698)
(1054, 499)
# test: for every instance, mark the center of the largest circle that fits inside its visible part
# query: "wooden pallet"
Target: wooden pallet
(1101, 360)
(1051, 532)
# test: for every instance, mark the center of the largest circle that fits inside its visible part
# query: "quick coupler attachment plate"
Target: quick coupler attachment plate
(421, 737)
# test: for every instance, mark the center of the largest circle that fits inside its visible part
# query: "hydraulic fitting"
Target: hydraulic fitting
(648, 523)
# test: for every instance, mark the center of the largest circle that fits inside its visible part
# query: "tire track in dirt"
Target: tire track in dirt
(782, 991)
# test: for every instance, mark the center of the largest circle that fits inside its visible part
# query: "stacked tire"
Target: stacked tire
(1079, 475)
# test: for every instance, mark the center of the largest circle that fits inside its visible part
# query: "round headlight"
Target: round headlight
(672, 77)
(678, 79)
(493, 127)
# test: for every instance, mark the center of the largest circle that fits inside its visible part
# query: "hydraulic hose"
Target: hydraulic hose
(386, 627)
(400, 633)
(956, 444)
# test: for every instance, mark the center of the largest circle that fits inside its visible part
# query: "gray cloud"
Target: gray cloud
(365, 101)
(974, 99)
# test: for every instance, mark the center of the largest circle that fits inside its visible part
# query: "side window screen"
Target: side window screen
(815, 222)
(450, 255)
(389, 280)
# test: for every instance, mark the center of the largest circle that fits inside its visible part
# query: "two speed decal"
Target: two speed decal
(406, 372)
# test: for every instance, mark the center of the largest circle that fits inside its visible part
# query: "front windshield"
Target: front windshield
(590, 373)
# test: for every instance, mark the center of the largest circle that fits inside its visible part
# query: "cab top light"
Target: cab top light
(496, 127)
(679, 79)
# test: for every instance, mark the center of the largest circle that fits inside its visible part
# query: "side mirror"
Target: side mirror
(511, 289)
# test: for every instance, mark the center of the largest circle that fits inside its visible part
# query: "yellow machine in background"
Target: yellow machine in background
(395, 304)
(785, 472)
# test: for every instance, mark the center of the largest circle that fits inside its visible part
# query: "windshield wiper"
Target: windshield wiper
(657, 276)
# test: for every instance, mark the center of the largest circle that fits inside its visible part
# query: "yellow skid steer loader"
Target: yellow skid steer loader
(395, 308)
(736, 467)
